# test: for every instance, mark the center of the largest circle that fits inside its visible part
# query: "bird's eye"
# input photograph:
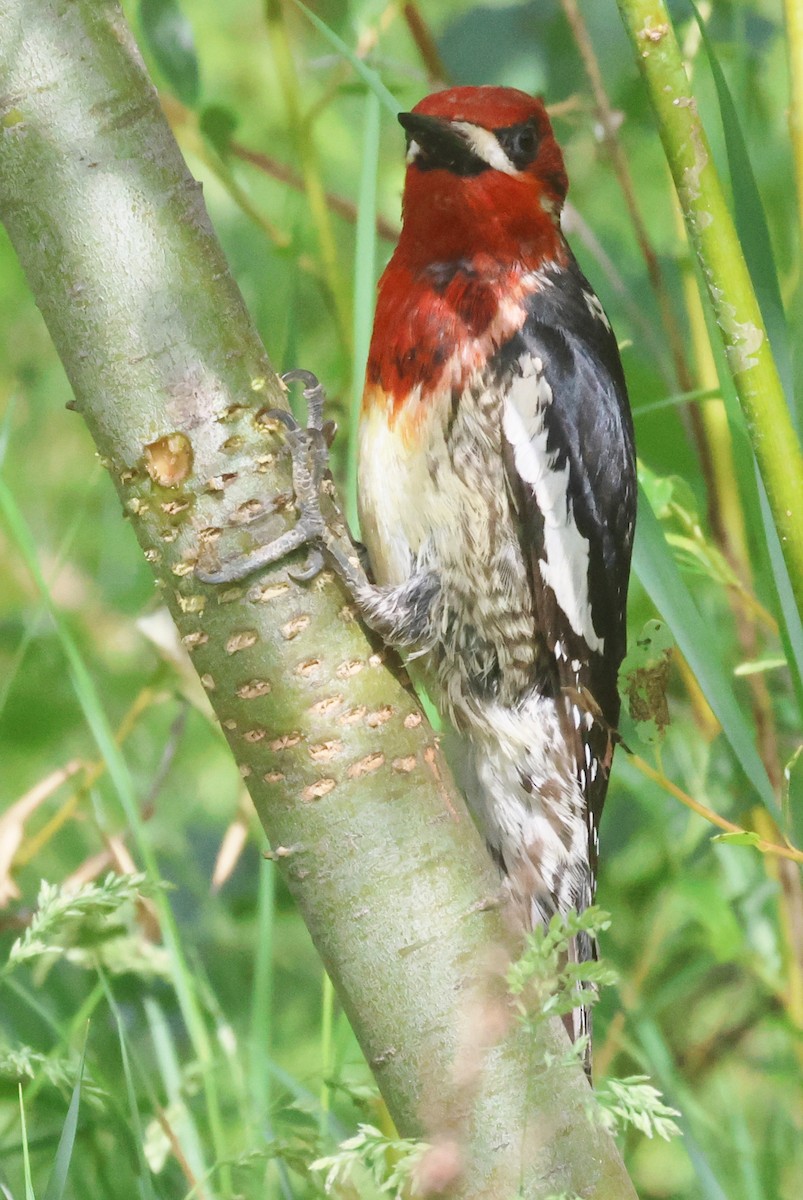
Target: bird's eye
(520, 143)
(524, 142)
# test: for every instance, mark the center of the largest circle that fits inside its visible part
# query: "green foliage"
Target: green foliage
(57, 1184)
(80, 923)
(643, 678)
(544, 982)
(168, 36)
(389, 1162)
(213, 1064)
(634, 1101)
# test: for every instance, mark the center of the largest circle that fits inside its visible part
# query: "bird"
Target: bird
(497, 489)
(497, 484)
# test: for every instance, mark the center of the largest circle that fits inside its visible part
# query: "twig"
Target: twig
(338, 204)
(426, 44)
(714, 818)
(146, 698)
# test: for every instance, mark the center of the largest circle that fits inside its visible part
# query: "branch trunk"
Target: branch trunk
(170, 375)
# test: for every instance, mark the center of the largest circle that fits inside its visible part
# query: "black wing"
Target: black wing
(570, 459)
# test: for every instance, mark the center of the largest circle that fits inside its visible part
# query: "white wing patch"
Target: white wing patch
(565, 565)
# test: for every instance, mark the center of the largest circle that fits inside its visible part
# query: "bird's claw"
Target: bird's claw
(309, 453)
(315, 564)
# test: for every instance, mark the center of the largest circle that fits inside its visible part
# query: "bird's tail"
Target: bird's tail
(529, 808)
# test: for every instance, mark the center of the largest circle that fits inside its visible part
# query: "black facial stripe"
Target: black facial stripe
(519, 142)
(460, 160)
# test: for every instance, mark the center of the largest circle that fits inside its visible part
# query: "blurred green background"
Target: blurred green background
(707, 937)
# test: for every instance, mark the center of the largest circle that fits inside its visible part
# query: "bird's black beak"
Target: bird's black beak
(439, 146)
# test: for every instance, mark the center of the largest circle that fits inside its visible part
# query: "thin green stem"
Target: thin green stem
(120, 775)
(364, 282)
(794, 43)
(327, 1024)
(310, 168)
(730, 289)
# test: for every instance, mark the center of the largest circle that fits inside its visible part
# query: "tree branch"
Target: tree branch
(172, 380)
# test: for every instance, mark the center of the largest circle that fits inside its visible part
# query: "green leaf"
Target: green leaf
(792, 796)
(745, 837)
(659, 574)
(751, 222)
(58, 1176)
(26, 1159)
(643, 678)
(758, 666)
(705, 903)
(792, 625)
(168, 36)
(218, 125)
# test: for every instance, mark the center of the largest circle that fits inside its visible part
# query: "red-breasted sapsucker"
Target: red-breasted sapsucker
(497, 486)
(497, 482)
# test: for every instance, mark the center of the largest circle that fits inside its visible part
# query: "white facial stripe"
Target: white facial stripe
(413, 151)
(486, 146)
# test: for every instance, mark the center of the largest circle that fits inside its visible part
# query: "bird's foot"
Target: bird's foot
(309, 454)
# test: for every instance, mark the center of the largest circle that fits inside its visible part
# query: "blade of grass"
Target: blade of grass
(144, 1181)
(66, 1038)
(365, 73)
(744, 1144)
(676, 400)
(58, 1177)
(751, 221)
(5, 427)
(262, 994)
(794, 41)
(659, 574)
(757, 509)
(34, 621)
(754, 234)
(95, 717)
(327, 1020)
(791, 626)
(170, 1071)
(676, 1094)
(261, 1023)
(26, 1159)
(364, 285)
(287, 74)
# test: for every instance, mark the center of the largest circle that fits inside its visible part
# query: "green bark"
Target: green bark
(171, 378)
(727, 278)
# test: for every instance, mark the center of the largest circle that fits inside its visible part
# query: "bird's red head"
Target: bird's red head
(483, 192)
(485, 176)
